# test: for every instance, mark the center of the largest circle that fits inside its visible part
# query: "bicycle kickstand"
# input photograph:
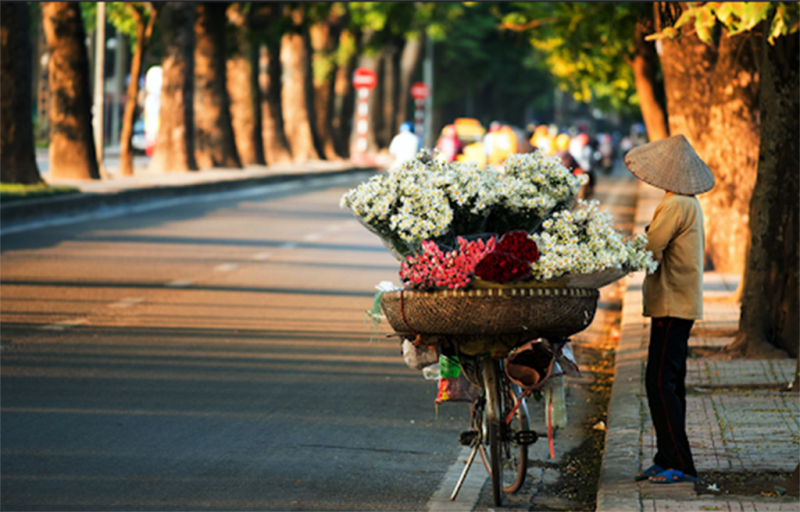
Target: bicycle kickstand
(466, 469)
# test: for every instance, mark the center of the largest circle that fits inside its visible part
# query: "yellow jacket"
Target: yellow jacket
(676, 238)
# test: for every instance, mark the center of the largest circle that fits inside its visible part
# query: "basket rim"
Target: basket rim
(494, 292)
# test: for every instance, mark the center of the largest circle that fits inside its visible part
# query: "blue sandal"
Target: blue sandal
(647, 473)
(671, 476)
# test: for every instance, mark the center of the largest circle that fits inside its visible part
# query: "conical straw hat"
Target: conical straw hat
(672, 165)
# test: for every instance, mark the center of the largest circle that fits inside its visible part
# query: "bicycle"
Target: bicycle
(500, 431)
(485, 325)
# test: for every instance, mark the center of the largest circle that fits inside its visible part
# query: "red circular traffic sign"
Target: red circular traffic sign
(364, 78)
(419, 91)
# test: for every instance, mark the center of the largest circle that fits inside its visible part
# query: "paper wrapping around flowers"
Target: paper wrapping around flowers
(386, 242)
(594, 280)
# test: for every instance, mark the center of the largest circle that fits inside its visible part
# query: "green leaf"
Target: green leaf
(778, 27)
(753, 13)
(727, 12)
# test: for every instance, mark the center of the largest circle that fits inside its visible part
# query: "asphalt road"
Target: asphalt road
(211, 356)
(215, 356)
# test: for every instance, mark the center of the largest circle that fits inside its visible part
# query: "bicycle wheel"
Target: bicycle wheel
(493, 427)
(514, 454)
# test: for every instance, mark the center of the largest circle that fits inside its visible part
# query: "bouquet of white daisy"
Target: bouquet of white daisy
(429, 200)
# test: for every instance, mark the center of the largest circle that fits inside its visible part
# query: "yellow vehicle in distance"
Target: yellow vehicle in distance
(471, 132)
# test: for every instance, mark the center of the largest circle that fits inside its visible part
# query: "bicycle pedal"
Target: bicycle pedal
(526, 437)
(468, 437)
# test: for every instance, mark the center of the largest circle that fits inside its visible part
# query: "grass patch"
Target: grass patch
(11, 192)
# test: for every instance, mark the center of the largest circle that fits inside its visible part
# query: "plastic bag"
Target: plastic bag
(453, 385)
(555, 403)
(419, 356)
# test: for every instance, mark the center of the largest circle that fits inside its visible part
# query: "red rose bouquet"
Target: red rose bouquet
(511, 259)
(435, 268)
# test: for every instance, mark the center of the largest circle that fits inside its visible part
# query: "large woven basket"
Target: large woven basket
(512, 316)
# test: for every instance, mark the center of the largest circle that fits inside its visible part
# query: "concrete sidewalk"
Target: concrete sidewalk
(147, 187)
(738, 419)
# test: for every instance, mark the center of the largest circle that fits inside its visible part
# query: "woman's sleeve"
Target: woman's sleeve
(663, 227)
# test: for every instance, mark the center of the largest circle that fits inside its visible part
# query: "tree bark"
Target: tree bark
(687, 64)
(72, 151)
(710, 92)
(731, 151)
(770, 307)
(265, 21)
(144, 29)
(242, 91)
(409, 62)
(343, 93)
(254, 56)
(276, 147)
(389, 94)
(175, 144)
(322, 37)
(214, 143)
(17, 152)
(295, 94)
(645, 69)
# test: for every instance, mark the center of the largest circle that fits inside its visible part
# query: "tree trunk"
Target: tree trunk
(770, 307)
(276, 148)
(72, 151)
(214, 144)
(731, 151)
(711, 100)
(324, 69)
(242, 91)
(144, 30)
(265, 22)
(792, 484)
(297, 121)
(17, 153)
(175, 144)
(389, 90)
(645, 69)
(254, 56)
(794, 385)
(687, 64)
(343, 93)
(409, 62)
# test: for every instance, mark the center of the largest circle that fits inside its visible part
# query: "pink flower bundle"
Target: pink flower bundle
(435, 268)
(511, 260)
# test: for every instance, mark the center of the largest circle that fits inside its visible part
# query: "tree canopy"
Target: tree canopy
(586, 46)
(737, 17)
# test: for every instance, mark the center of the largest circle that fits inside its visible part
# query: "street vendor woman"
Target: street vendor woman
(673, 294)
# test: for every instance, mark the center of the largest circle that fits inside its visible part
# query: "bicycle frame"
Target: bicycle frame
(492, 415)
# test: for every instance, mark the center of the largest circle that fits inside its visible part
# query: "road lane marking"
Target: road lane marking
(146, 205)
(261, 256)
(312, 237)
(226, 267)
(63, 325)
(126, 303)
(179, 283)
(470, 490)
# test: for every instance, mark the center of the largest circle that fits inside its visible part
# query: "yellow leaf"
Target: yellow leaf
(704, 33)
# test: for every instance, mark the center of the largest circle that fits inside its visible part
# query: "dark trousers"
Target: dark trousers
(666, 391)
